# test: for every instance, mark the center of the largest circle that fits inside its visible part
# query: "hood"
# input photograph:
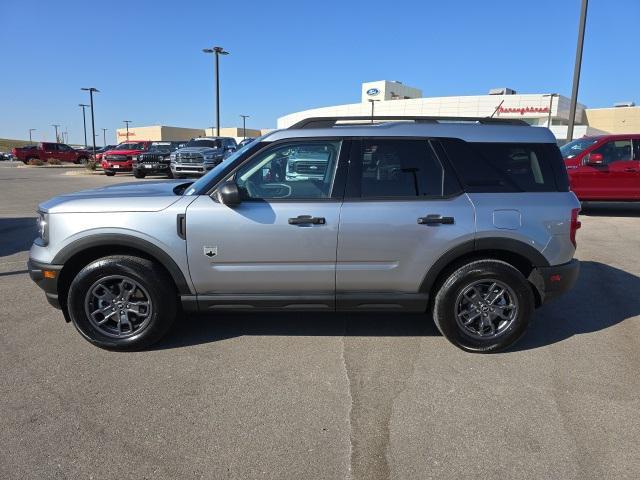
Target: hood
(124, 152)
(124, 197)
(198, 150)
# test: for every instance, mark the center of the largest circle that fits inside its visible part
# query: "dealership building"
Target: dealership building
(551, 110)
(179, 134)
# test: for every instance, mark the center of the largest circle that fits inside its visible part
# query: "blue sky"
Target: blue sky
(145, 56)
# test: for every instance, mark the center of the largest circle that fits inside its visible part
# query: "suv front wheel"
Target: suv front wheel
(483, 306)
(122, 302)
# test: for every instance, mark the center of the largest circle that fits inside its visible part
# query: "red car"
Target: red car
(120, 159)
(605, 167)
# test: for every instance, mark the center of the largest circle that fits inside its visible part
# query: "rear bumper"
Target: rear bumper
(553, 281)
(49, 285)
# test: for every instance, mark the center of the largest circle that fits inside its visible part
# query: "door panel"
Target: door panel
(383, 248)
(615, 179)
(255, 250)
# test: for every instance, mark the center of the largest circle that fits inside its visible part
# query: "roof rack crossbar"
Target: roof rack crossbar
(329, 122)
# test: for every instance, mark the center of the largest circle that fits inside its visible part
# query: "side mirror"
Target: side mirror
(229, 194)
(230, 149)
(595, 159)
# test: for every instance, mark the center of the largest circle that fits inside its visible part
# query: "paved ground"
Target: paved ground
(304, 396)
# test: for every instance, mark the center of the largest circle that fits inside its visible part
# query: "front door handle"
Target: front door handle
(307, 220)
(436, 220)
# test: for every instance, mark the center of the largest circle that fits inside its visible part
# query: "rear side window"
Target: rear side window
(507, 167)
(399, 168)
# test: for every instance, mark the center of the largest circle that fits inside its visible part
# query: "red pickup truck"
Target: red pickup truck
(605, 167)
(45, 151)
(120, 158)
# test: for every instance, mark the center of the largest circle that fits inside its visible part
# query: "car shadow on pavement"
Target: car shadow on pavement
(602, 297)
(203, 328)
(16, 235)
(610, 209)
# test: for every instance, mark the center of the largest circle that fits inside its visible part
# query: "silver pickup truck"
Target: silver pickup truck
(200, 155)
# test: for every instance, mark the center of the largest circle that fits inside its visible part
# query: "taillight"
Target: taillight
(575, 225)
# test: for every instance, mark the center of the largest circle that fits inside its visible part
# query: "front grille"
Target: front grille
(116, 158)
(189, 157)
(150, 158)
(310, 167)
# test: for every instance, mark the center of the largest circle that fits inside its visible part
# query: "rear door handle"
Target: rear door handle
(436, 220)
(307, 220)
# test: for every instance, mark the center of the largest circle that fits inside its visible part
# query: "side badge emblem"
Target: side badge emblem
(210, 251)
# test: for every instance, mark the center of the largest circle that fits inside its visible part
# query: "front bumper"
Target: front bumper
(117, 166)
(46, 277)
(191, 168)
(553, 281)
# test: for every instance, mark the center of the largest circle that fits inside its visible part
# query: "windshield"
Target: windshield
(204, 143)
(160, 147)
(215, 171)
(130, 146)
(571, 149)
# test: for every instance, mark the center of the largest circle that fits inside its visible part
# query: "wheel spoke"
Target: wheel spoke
(141, 309)
(106, 312)
(103, 293)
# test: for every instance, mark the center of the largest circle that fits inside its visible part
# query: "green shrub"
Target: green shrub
(91, 164)
(36, 162)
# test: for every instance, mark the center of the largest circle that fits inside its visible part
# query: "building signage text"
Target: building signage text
(523, 110)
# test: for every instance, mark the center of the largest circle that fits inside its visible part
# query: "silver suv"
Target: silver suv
(470, 221)
(200, 155)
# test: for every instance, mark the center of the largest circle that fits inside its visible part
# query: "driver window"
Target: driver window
(303, 170)
(614, 151)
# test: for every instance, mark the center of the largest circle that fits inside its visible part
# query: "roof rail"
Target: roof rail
(329, 122)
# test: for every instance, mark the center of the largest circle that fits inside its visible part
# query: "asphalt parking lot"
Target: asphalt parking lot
(305, 396)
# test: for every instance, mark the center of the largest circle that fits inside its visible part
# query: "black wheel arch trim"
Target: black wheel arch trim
(122, 240)
(509, 245)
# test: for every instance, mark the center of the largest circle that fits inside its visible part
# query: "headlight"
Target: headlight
(135, 158)
(43, 227)
(172, 157)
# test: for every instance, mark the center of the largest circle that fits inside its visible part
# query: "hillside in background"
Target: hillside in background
(7, 144)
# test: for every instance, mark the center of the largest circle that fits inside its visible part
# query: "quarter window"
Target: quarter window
(303, 170)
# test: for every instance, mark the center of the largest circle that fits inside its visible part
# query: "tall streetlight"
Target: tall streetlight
(244, 126)
(217, 51)
(127, 122)
(576, 71)
(104, 137)
(31, 130)
(55, 125)
(373, 101)
(65, 135)
(84, 123)
(93, 123)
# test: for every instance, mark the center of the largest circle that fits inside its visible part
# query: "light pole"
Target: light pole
(550, 95)
(84, 123)
(104, 137)
(31, 130)
(576, 71)
(127, 122)
(65, 135)
(373, 101)
(217, 51)
(93, 123)
(244, 126)
(56, 127)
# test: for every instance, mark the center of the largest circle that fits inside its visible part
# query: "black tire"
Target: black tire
(170, 174)
(81, 161)
(177, 175)
(139, 174)
(154, 282)
(483, 272)
(109, 173)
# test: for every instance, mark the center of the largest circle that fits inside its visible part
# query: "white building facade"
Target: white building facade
(393, 98)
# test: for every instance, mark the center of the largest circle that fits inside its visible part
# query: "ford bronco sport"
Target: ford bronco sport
(469, 220)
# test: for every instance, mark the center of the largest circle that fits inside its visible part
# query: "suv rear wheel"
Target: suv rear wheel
(122, 302)
(483, 306)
